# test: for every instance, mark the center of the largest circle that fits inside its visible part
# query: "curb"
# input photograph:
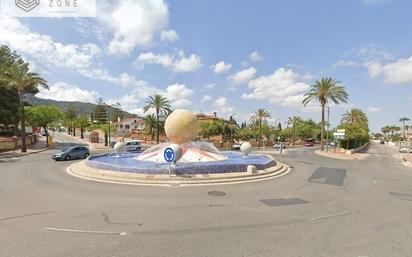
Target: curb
(407, 163)
(320, 153)
(33, 152)
(142, 179)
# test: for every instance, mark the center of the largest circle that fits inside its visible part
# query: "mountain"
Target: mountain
(62, 105)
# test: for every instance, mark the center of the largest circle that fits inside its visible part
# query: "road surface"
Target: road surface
(324, 207)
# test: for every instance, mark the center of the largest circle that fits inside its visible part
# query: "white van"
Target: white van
(133, 145)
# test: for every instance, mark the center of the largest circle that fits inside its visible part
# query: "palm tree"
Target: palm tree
(19, 78)
(160, 104)
(354, 115)
(150, 122)
(294, 121)
(403, 120)
(323, 91)
(260, 115)
(385, 130)
(83, 122)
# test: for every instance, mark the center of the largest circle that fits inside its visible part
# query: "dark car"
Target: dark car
(74, 152)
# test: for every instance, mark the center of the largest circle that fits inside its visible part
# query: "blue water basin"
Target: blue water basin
(127, 162)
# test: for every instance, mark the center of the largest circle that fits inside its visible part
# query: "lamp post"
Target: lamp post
(327, 133)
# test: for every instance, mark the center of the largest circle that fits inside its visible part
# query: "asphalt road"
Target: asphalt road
(324, 207)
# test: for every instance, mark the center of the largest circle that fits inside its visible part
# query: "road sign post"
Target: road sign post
(169, 156)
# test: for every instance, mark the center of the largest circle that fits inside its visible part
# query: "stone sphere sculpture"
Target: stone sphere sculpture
(119, 147)
(181, 126)
(246, 148)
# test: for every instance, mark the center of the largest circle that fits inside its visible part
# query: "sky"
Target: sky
(230, 56)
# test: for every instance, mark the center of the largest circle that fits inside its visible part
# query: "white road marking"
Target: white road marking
(86, 231)
(332, 215)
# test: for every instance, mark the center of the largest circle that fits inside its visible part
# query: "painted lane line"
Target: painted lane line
(332, 215)
(86, 231)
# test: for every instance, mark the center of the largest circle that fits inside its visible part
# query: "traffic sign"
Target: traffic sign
(340, 131)
(169, 155)
(339, 134)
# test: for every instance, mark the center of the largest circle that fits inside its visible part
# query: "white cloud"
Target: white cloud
(282, 88)
(372, 52)
(43, 48)
(373, 109)
(168, 36)
(221, 67)
(206, 98)
(255, 56)
(177, 62)
(178, 95)
(398, 72)
(62, 91)
(222, 105)
(345, 63)
(133, 23)
(243, 76)
(209, 86)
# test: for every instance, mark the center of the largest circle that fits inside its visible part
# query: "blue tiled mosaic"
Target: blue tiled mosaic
(128, 163)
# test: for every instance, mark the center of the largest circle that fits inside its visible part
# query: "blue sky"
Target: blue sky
(226, 56)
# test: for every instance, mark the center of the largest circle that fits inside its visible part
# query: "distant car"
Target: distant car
(382, 142)
(405, 149)
(333, 144)
(279, 145)
(70, 153)
(236, 146)
(309, 144)
(133, 145)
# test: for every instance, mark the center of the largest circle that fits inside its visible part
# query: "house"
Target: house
(409, 134)
(130, 124)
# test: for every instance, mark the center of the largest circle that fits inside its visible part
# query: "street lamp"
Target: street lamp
(327, 132)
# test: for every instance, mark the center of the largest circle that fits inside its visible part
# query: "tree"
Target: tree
(18, 77)
(83, 122)
(116, 112)
(385, 130)
(260, 115)
(403, 120)
(70, 114)
(323, 91)
(150, 124)
(42, 116)
(294, 121)
(159, 104)
(9, 98)
(100, 112)
(354, 115)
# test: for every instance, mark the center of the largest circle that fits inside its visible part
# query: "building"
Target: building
(130, 124)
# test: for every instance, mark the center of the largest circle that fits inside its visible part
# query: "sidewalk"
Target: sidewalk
(40, 146)
(342, 155)
(407, 159)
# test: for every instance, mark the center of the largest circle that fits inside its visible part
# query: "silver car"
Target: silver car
(405, 149)
(133, 145)
(70, 153)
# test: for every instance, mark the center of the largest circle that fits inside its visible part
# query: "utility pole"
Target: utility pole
(327, 133)
(109, 119)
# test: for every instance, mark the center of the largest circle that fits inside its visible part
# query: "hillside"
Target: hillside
(62, 105)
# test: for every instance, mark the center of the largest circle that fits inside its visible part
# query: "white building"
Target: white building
(130, 124)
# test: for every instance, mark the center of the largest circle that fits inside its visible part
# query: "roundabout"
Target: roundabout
(182, 161)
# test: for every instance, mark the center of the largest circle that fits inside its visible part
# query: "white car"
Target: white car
(405, 149)
(133, 145)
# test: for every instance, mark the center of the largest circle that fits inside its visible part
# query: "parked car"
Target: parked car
(309, 144)
(382, 142)
(133, 145)
(405, 149)
(236, 146)
(70, 153)
(333, 143)
(279, 145)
